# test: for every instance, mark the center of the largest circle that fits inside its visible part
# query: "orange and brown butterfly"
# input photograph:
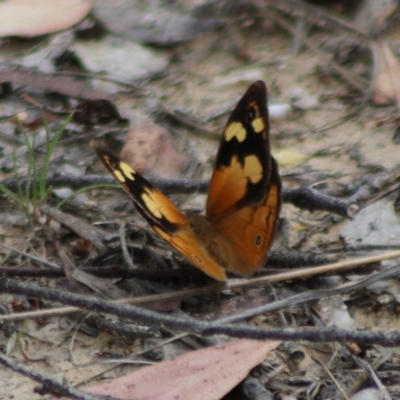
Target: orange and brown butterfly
(243, 202)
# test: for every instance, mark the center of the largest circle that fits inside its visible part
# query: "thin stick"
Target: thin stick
(50, 385)
(336, 383)
(32, 257)
(124, 247)
(194, 326)
(232, 284)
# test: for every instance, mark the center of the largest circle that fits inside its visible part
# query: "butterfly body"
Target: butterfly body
(243, 201)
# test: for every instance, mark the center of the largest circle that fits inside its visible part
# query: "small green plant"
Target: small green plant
(33, 188)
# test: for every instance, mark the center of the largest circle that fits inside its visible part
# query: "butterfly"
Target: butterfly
(244, 197)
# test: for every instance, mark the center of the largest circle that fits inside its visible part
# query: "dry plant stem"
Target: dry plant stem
(77, 225)
(312, 295)
(232, 284)
(67, 263)
(367, 367)
(384, 356)
(32, 257)
(336, 383)
(355, 248)
(334, 267)
(125, 252)
(191, 325)
(49, 385)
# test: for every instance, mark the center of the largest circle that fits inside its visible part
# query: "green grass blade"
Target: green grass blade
(11, 194)
(50, 146)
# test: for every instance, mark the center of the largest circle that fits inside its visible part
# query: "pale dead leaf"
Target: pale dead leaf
(203, 374)
(38, 17)
(290, 158)
(151, 150)
(387, 74)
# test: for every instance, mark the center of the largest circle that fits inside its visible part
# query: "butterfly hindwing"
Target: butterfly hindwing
(245, 190)
(162, 215)
(251, 228)
(187, 243)
(243, 163)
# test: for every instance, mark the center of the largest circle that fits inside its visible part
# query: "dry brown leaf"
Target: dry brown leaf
(387, 74)
(152, 151)
(38, 17)
(203, 374)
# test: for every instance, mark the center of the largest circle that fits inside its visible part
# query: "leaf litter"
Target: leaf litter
(193, 74)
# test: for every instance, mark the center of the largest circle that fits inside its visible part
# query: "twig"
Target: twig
(313, 295)
(49, 385)
(115, 271)
(382, 358)
(336, 383)
(166, 185)
(303, 197)
(370, 370)
(355, 248)
(32, 257)
(310, 199)
(82, 228)
(125, 252)
(191, 325)
(217, 286)
(280, 259)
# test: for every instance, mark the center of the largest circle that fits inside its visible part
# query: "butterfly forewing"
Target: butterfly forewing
(242, 166)
(148, 198)
(162, 215)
